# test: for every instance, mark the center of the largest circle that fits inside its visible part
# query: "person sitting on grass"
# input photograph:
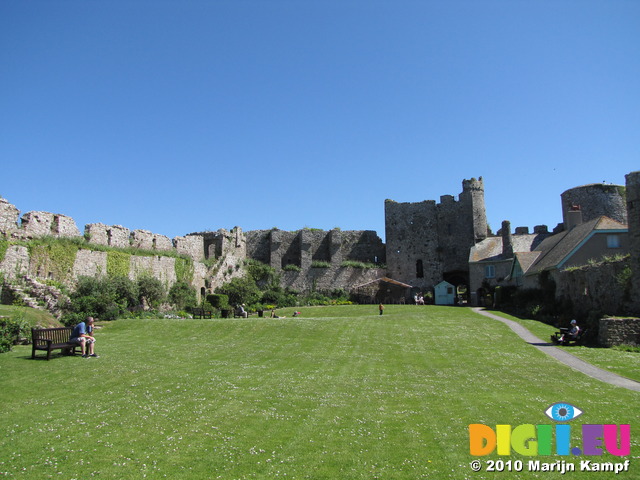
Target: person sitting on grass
(81, 336)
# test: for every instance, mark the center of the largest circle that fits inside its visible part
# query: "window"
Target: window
(490, 271)
(613, 241)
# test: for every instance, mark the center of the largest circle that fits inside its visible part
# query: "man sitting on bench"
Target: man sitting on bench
(80, 335)
(571, 333)
(241, 312)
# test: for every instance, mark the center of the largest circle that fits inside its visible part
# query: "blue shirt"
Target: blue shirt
(78, 330)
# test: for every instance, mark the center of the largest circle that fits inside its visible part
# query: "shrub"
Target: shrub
(218, 301)
(151, 291)
(241, 290)
(291, 268)
(11, 330)
(182, 296)
(102, 298)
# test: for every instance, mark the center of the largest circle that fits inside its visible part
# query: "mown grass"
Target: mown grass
(338, 393)
(625, 363)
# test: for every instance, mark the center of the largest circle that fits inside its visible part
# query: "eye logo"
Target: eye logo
(562, 412)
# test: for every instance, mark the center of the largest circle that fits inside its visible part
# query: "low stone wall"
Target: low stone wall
(619, 331)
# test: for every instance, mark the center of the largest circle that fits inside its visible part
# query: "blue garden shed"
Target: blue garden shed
(445, 293)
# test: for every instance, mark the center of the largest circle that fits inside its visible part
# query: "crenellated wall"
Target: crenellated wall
(428, 241)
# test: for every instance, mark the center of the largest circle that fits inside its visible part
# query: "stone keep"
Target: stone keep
(428, 241)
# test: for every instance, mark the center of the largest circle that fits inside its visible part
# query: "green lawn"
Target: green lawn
(338, 393)
(623, 363)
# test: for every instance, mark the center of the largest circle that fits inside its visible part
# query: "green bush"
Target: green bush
(150, 291)
(218, 301)
(241, 290)
(11, 330)
(103, 298)
(182, 296)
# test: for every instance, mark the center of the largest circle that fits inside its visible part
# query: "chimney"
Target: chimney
(574, 217)
(507, 244)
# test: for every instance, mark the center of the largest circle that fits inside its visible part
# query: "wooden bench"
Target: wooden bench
(578, 340)
(201, 313)
(49, 339)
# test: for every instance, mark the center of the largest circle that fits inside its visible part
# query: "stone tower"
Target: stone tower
(595, 200)
(633, 220)
(428, 242)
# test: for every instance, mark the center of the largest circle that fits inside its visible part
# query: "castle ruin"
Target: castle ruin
(426, 242)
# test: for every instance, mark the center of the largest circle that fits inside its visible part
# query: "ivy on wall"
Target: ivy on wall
(4, 245)
(184, 270)
(118, 263)
(53, 259)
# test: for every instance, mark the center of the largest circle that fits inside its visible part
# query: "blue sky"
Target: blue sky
(184, 116)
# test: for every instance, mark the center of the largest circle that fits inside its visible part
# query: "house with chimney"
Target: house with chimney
(520, 259)
(491, 260)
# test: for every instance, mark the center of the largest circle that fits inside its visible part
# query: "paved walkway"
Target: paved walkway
(563, 356)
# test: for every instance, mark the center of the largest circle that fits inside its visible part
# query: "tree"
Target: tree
(241, 290)
(150, 291)
(182, 295)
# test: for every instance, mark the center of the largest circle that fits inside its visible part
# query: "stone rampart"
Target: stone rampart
(147, 240)
(190, 245)
(619, 331)
(15, 263)
(331, 278)
(109, 235)
(162, 268)
(8, 217)
(41, 224)
(89, 263)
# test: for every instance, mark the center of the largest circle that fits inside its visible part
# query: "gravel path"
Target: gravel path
(563, 356)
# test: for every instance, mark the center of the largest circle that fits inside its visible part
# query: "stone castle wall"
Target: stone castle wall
(279, 248)
(595, 288)
(428, 241)
(633, 219)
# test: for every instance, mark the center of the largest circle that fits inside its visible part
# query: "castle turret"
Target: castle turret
(473, 194)
(594, 200)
